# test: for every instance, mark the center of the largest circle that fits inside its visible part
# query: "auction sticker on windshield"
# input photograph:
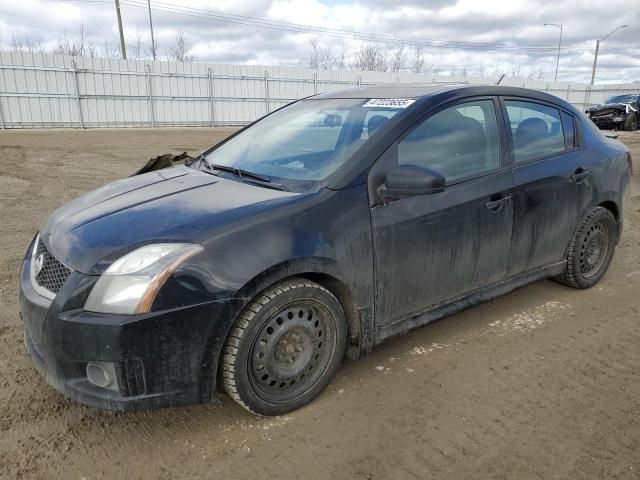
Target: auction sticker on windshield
(389, 102)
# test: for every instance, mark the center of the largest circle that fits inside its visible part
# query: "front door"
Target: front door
(433, 248)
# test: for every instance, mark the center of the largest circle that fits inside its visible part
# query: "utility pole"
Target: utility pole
(123, 50)
(595, 62)
(153, 43)
(559, 46)
(595, 58)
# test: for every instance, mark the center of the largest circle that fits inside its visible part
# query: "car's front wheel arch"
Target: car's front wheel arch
(319, 270)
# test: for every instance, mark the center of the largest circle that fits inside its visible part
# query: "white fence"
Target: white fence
(38, 90)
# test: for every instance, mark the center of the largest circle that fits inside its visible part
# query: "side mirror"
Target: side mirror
(409, 180)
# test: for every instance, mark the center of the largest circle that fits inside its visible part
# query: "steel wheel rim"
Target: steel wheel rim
(292, 350)
(594, 249)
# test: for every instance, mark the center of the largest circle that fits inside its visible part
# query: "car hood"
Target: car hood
(607, 106)
(172, 205)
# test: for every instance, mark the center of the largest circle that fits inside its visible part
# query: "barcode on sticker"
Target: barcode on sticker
(389, 102)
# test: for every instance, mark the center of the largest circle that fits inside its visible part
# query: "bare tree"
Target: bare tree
(341, 58)
(136, 49)
(418, 60)
(314, 54)
(536, 73)
(26, 44)
(398, 59)
(370, 57)
(111, 50)
(180, 51)
(79, 47)
(320, 58)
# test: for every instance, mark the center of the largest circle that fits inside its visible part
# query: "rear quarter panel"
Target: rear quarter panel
(608, 160)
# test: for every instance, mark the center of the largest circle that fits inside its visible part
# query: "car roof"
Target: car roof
(392, 91)
(423, 91)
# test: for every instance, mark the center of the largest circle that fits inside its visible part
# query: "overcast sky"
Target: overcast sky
(515, 22)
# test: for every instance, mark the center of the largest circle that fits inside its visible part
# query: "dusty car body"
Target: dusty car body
(430, 199)
(620, 112)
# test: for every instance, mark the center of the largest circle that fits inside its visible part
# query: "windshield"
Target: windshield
(622, 99)
(305, 141)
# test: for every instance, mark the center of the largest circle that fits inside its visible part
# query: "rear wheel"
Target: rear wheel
(284, 347)
(591, 249)
(631, 125)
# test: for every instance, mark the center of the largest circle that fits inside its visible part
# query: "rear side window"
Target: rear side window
(458, 142)
(536, 130)
(570, 140)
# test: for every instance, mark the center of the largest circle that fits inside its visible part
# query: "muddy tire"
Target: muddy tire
(284, 348)
(631, 125)
(591, 249)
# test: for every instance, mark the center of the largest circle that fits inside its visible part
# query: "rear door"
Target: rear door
(431, 248)
(552, 185)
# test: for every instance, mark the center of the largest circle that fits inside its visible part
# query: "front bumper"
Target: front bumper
(161, 359)
(610, 121)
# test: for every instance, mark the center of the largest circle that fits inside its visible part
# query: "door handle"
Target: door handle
(498, 204)
(580, 176)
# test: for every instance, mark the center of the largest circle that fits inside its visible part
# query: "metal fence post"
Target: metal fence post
(75, 81)
(1, 118)
(150, 99)
(315, 83)
(266, 90)
(211, 104)
(359, 81)
(587, 96)
(568, 91)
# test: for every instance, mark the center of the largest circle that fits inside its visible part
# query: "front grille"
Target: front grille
(53, 273)
(604, 113)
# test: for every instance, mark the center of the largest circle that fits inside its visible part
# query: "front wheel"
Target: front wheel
(631, 125)
(284, 348)
(591, 249)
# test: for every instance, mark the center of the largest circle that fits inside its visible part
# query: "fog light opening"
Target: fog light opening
(102, 374)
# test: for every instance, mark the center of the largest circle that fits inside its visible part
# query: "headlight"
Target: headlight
(131, 283)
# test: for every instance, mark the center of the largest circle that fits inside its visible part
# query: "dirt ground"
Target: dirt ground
(542, 383)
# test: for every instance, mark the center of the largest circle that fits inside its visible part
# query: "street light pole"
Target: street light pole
(153, 43)
(559, 46)
(595, 58)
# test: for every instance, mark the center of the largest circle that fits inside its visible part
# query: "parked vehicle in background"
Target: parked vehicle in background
(321, 230)
(620, 112)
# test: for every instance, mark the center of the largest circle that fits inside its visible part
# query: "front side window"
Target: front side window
(458, 142)
(536, 130)
(305, 141)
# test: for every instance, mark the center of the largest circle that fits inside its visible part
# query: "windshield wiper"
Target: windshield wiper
(238, 172)
(243, 175)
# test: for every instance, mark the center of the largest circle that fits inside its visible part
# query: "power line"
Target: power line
(300, 28)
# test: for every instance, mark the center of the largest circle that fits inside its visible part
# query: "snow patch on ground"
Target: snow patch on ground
(424, 349)
(528, 320)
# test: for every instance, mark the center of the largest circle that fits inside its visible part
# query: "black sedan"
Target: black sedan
(620, 112)
(319, 231)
